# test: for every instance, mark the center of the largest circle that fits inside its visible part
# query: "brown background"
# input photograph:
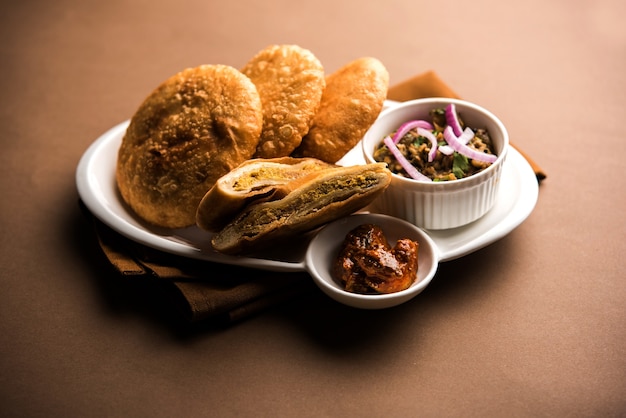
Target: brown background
(533, 325)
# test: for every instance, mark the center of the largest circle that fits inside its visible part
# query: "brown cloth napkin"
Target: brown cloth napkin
(210, 291)
(200, 290)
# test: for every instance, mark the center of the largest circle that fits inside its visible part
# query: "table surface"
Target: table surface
(532, 325)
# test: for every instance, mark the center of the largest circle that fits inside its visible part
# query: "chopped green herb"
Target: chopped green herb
(460, 165)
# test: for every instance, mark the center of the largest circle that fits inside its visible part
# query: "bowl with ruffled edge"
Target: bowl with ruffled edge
(324, 249)
(442, 204)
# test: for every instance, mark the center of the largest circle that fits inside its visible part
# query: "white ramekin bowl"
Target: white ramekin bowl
(438, 205)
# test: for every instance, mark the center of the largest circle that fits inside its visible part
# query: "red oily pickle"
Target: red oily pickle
(367, 264)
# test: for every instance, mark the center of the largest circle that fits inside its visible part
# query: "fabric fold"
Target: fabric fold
(200, 290)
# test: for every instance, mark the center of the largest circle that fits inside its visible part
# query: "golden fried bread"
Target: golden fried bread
(290, 81)
(352, 99)
(195, 127)
(252, 182)
(320, 197)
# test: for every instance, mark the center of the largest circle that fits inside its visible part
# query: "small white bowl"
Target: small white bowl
(325, 246)
(438, 205)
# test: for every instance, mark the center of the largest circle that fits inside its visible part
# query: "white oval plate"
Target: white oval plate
(95, 180)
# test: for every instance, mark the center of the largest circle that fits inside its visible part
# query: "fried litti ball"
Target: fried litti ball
(353, 98)
(290, 81)
(191, 130)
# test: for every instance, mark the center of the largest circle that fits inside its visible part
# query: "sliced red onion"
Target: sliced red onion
(453, 141)
(453, 119)
(446, 149)
(433, 142)
(408, 167)
(407, 126)
(466, 136)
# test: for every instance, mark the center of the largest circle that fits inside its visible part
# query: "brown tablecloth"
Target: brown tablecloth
(529, 326)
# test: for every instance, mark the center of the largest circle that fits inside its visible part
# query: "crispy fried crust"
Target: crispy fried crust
(195, 127)
(254, 181)
(353, 98)
(319, 198)
(290, 81)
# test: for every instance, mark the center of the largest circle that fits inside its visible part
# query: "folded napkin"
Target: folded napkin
(200, 290)
(211, 291)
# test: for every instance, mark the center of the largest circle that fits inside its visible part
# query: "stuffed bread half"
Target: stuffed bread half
(319, 198)
(254, 181)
